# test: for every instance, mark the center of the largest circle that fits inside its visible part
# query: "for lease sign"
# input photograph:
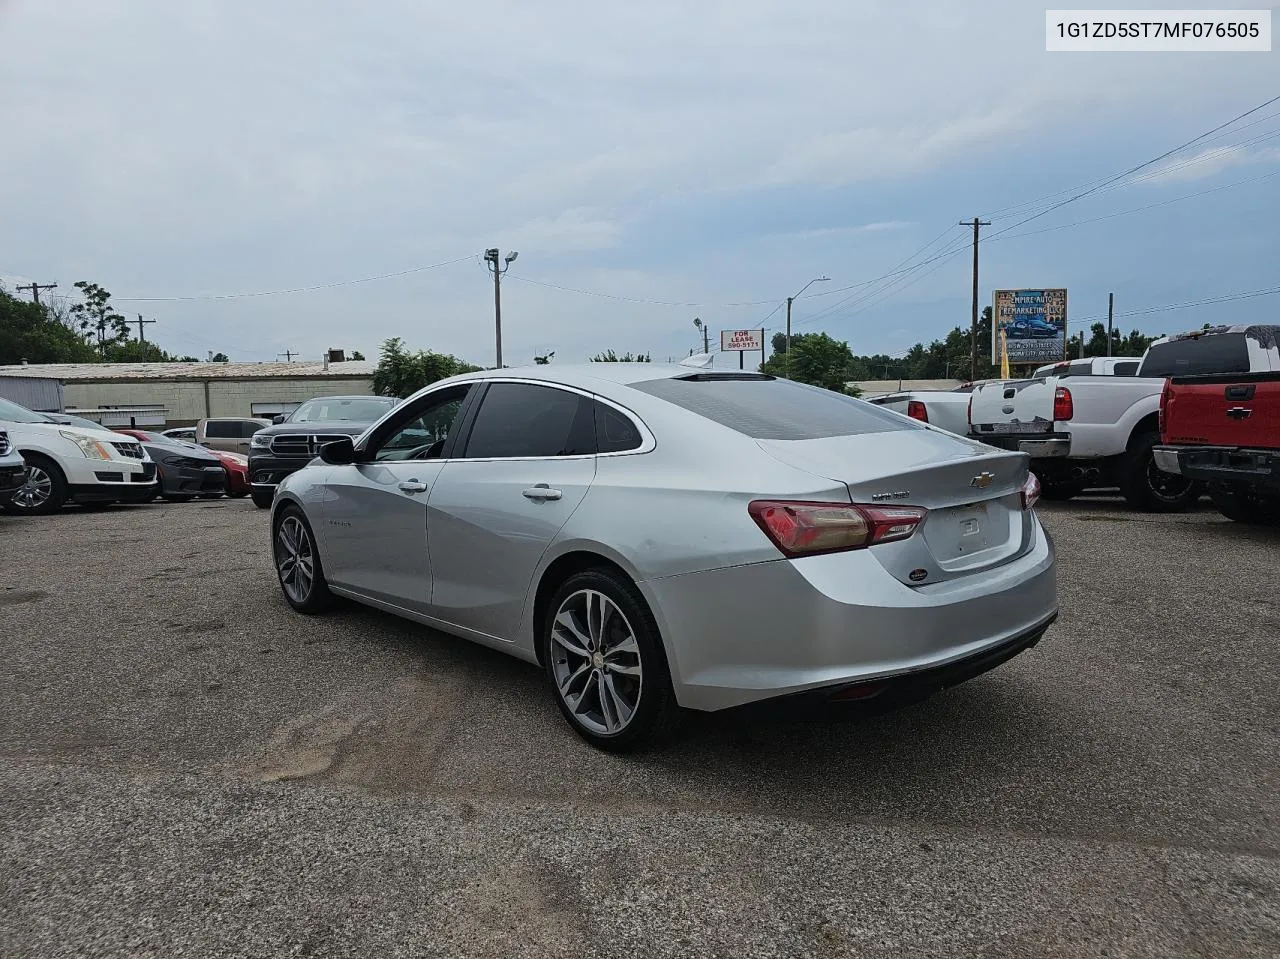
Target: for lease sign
(741, 340)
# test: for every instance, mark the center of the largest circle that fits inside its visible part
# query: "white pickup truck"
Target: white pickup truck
(945, 409)
(1096, 427)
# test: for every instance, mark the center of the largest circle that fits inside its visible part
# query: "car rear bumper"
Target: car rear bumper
(1221, 464)
(1035, 445)
(765, 630)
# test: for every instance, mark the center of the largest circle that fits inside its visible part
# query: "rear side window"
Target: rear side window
(1202, 355)
(1126, 369)
(772, 409)
(615, 433)
(524, 420)
(222, 429)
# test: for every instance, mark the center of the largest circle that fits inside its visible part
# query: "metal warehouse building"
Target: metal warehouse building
(179, 394)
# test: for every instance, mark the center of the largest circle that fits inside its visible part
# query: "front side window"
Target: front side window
(423, 434)
(525, 420)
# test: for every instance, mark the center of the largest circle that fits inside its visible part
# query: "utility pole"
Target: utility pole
(1111, 309)
(786, 360)
(973, 337)
(491, 257)
(35, 289)
(142, 333)
(288, 355)
(706, 342)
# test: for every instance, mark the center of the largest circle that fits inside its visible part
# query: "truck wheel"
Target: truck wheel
(1242, 505)
(45, 490)
(1147, 487)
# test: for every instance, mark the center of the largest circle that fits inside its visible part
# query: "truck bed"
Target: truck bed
(1238, 410)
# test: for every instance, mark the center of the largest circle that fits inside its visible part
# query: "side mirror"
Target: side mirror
(277, 419)
(339, 453)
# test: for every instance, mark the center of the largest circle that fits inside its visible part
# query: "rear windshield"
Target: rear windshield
(1212, 353)
(769, 409)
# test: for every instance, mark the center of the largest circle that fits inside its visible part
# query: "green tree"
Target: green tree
(31, 332)
(135, 351)
(544, 359)
(608, 356)
(401, 373)
(357, 355)
(816, 359)
(219, 358)
(98, 319)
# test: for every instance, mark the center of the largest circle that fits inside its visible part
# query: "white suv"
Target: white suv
(71, 463)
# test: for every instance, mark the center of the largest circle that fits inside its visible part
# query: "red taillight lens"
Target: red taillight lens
(806, 529)
(1030, 491)
(916, 410)
(1063, 408)
(1162, 417)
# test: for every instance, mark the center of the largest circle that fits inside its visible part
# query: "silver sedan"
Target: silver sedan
(662, 538)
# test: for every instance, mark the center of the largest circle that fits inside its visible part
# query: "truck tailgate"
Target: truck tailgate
(1238, 410)
(1020, 406)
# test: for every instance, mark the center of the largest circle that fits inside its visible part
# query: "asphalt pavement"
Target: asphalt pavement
(188, 768)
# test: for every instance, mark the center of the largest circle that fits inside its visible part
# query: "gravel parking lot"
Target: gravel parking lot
(187, 768)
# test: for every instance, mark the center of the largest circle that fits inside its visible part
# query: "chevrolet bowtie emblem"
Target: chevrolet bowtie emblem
(982, 480)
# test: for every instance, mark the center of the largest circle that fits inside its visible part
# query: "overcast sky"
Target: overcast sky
(708, 153)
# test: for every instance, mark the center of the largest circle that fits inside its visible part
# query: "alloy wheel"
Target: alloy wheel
(36, 491)
(1166, 487)
(295, 559)
(596, 662)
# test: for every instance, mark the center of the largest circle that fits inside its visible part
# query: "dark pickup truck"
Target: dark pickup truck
(295, 440)
(1223, 429)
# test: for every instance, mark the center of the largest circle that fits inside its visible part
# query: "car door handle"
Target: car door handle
(413, 486)
(541, 491)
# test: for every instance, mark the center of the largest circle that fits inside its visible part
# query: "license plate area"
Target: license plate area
(1028, 429)
(973, 534)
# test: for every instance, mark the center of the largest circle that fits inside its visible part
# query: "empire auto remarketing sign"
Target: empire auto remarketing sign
(1034, 323)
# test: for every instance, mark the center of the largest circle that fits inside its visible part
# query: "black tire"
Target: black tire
(316, 598)
(1243, 505)
(262, 500)
(46, 475)
(655, 714)
(1146, 487)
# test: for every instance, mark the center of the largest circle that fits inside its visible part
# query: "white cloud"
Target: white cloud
(234, 145)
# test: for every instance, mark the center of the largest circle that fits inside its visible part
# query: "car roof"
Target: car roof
(352, 396)
(589, 375)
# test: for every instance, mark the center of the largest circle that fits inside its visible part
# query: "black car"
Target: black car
(185, 470)
(295, 440)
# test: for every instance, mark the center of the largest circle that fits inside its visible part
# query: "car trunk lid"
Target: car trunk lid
(975, 519)
(1017, 406)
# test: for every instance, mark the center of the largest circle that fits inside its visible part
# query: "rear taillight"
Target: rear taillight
(1063, 408)
(1164, 406)
(806, 529)
(1030, 492)
(916, 410)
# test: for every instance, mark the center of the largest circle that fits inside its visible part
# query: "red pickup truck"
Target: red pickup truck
(1224, 428)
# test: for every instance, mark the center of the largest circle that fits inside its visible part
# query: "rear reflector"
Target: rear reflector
(916, 410)
(1063, 408)
(807, 529)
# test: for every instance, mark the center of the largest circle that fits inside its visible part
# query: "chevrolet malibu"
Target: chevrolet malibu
(664, 538)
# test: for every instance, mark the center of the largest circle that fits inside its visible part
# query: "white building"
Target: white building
(179, 394)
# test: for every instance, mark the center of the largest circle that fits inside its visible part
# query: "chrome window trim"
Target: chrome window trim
(647, 441)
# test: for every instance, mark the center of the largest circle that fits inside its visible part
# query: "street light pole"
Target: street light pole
(491, 257)
(786, 360)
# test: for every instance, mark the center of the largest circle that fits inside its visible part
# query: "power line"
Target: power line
(1208, 301)
(1132, 170)
(300, 289)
